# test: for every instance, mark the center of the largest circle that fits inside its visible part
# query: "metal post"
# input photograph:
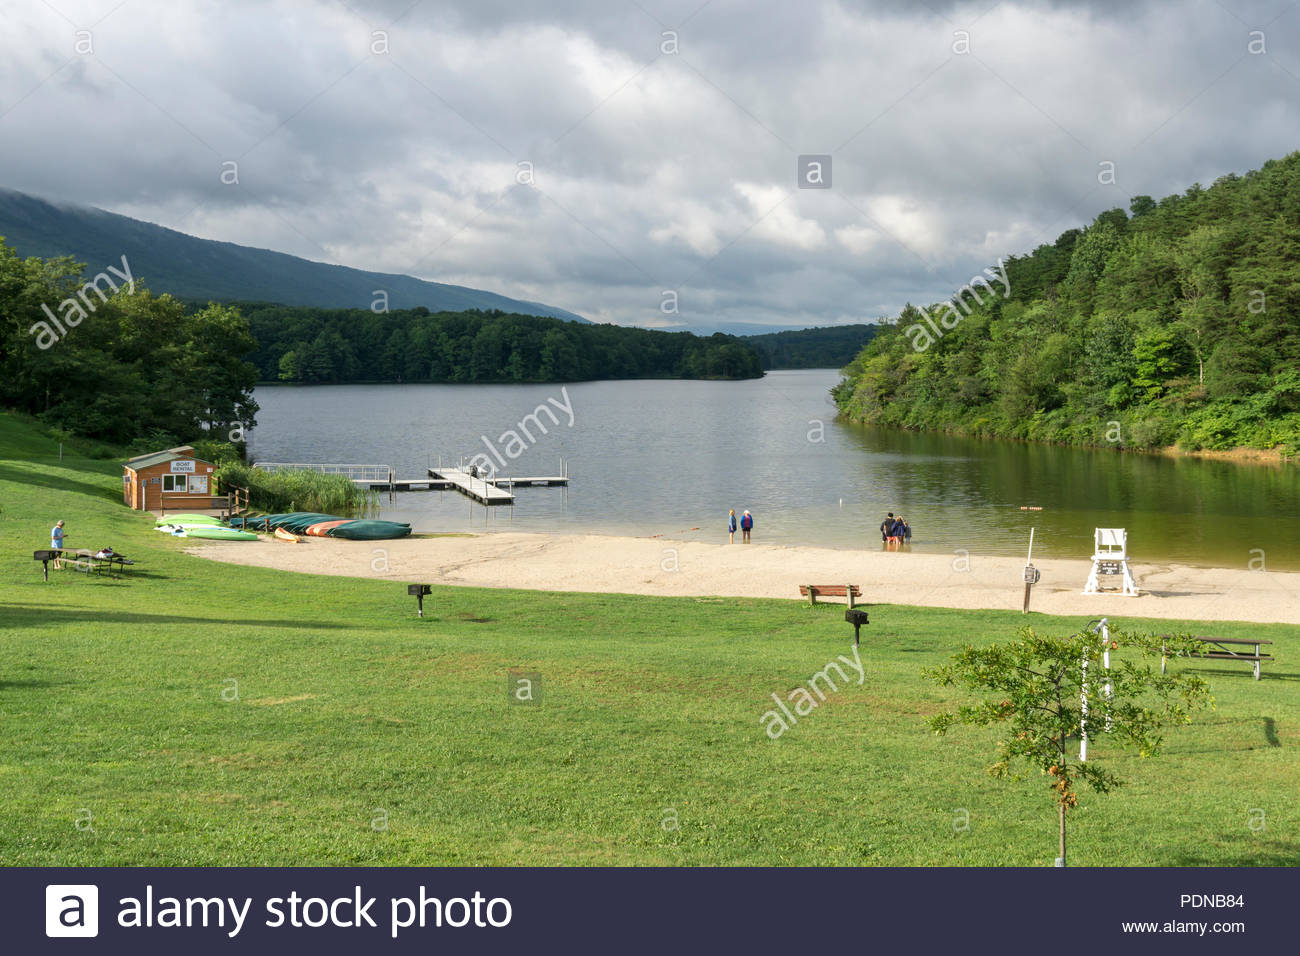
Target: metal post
(1083, 711)
(1107, 690)
(1029, 564)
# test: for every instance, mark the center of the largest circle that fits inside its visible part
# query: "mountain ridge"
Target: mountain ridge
(197, 269)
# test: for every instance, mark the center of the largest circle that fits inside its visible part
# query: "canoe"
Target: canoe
(222, 534)
(322, 528)
(188, 519)
(286, 536)
(365, 529)
(172, 527)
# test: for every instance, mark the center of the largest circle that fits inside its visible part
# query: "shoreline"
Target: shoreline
(671, 568)
(1240, 455)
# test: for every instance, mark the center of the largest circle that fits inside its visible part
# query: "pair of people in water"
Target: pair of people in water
(746, 526)
(894, 531)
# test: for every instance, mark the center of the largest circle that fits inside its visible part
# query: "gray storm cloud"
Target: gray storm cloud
(593, 155)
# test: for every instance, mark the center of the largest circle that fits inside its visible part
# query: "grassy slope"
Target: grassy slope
(111, 702)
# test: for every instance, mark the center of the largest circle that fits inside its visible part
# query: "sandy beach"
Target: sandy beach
(658, 566)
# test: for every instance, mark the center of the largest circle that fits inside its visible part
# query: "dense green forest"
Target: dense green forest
(828, 347)
(1177, 322)
(416, 345)
(115, 362)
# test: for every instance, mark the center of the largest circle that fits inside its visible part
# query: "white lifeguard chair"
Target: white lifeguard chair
(1110, 557)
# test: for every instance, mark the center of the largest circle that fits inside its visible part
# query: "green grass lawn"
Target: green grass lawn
(362, 735)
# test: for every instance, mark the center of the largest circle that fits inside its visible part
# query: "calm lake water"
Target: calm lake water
(667, 457)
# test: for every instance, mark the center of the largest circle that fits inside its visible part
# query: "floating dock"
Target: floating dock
(480, 489)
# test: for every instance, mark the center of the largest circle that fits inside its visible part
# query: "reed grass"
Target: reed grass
(298, 490)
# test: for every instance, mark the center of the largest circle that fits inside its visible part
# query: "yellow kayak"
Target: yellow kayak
(286, 536)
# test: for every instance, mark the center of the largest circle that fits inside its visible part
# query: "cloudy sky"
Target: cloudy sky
(598, 154)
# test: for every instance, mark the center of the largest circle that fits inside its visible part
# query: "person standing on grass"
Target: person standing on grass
(731, 527)
(56, 542)
(746, 526)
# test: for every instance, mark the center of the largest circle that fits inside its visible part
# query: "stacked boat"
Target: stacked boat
(316, 525)
(201, 526)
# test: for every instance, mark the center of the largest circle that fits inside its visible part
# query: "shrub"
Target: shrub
(218, 452)
(296, 490)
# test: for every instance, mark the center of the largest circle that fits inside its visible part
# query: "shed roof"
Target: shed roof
(158, 457)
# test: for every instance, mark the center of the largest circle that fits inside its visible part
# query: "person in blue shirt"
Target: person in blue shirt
(56, 541)
(746, 526)
(902, 530)
(731, 527)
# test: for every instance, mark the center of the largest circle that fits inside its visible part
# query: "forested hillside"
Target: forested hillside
(829, 347)
(115, 362)
(357, 345)
(1177, 322)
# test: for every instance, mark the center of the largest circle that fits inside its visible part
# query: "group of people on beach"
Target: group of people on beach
(894, 531)
(746, 526)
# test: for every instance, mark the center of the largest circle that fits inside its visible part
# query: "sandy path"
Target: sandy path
(566, 562)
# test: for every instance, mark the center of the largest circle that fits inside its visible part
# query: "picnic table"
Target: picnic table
(1222, 651)
(82, 559)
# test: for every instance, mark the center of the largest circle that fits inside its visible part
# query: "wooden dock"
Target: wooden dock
(480, 489)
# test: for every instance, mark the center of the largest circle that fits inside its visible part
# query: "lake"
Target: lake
(671, 457)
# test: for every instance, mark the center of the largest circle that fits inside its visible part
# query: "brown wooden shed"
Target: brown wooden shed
(171, 480)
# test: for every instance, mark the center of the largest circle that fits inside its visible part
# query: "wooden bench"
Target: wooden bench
(1223, 652)
(813, 591)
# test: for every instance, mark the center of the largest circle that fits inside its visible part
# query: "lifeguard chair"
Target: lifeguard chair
(1110, 557)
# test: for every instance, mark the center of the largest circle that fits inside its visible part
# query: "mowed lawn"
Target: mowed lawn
(361, 735)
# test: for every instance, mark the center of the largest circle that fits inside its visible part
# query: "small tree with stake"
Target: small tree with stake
(1040, 686)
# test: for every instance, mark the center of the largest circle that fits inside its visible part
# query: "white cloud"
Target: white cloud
(653, 171)
(776, 218)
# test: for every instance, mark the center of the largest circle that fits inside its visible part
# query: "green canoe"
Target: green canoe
(188, 519)
(224, 534)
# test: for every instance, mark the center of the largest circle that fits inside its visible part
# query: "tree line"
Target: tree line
(315, 345)
(1176, 322)
(106, 358)
(825, 347)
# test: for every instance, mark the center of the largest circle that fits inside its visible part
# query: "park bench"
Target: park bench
(1221, 651)
(813, 591)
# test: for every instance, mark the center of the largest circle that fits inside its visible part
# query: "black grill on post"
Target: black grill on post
(418, 591)
(45, 557)
(857, 618)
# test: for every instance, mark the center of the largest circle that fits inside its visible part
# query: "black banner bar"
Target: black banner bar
(195, 911)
